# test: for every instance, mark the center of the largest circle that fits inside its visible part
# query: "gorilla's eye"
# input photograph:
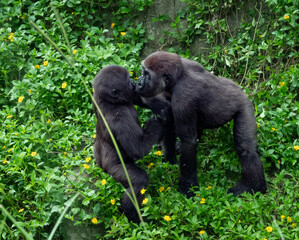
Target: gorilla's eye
(115, 92)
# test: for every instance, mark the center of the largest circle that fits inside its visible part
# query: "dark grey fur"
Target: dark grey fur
(201, 100)
(114, 94)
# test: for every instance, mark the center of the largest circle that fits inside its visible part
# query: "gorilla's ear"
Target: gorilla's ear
(115, 93)
(167, 78)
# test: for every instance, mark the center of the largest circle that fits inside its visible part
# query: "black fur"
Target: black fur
(114, 93)
(200, 100)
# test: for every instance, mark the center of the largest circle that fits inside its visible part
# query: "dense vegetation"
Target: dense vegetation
(48, 126)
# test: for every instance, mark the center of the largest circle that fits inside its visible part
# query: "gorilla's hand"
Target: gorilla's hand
(158, 105)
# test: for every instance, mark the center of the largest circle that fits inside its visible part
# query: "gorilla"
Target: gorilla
(114, 94)
(201, 100)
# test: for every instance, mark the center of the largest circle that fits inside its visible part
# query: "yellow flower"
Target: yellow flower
(45, 63)
(94, 136)
(202, 232)
(282, 216)
(64, 85)
(158, 153)
(150, 165)
(209, 187)
(167, 218)
(37, 66)
(86, 166)
(72, 13)
(5, 161)
(94, 220)
(281, 84)
(112, 25)
(33, 154)
(145, 201)
(21, 210)
(131, 72)
(239, 221)
(278, 161)
(23, 17)
(225, 51)
(142, 191)
(112, 201)
(123, 33)
(4, 147)
(87, 159)
(203, 200)
(29, 90)
(9, 116)
(161, 189)
(64, 153)
(9, 150)
(20, 99)
(49, 120)
(286, 17)
(296, 148)
(260, 36)
(93, 90)
(289, 219)
(274, 129)
(269, 229)
(50, 139)
(167, 188)
(294, 225)
(75, 51)
(258, 125)
(104, 181)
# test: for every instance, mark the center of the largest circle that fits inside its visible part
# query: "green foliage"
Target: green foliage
(246, 47)
(47, 124)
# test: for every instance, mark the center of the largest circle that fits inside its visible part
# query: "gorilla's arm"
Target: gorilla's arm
(161, 107)
(137, 142)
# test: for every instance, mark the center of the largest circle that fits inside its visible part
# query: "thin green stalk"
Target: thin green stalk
(62, 28)
(17, 224)
(2, 225)
(133, 197)
(68, 204)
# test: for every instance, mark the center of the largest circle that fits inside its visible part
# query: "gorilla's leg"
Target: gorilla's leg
(188, 166)
(139, 179)
(253, 179)
(169, 140)
(97, 152)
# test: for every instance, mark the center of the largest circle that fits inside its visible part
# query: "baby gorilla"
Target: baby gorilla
(114, 94)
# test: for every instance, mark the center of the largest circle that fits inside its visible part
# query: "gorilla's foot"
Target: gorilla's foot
(129, 210)
(172, 160)
(186, 185)
(241, 187)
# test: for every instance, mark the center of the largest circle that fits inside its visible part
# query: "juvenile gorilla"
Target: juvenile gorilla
(114, 93)
(200, 100)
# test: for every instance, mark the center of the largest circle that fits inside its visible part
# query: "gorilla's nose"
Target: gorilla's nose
(140, 84)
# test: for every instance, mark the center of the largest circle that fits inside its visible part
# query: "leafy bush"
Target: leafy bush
(47, 123)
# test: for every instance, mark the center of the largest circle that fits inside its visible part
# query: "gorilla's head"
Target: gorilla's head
(113, 84)
(160, 72)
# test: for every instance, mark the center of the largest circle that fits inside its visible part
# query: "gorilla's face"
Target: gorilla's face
(150, 84)
(113, 84)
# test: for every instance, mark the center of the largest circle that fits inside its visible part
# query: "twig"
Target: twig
(254, 34)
